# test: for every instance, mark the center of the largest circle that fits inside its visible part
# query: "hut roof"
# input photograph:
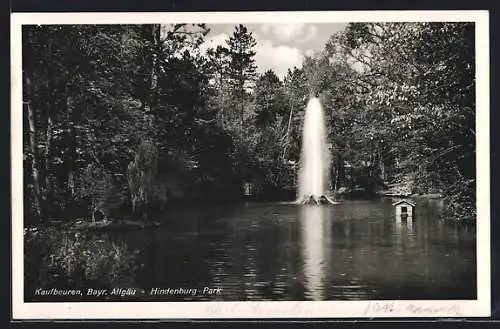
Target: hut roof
(403, 201)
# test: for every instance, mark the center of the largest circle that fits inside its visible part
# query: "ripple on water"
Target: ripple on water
(360, 253)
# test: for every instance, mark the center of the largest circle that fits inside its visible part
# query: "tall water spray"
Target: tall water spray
(314, 162)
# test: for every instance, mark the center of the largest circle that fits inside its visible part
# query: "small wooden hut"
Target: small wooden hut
(404, 209)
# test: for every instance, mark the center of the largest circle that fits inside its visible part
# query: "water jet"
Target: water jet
(315, 157)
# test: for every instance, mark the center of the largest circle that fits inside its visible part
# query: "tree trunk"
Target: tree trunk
(221, 98)
(457, 168)
(48, 187)
(241, 119)
(49, 191)
(71, 183)
(47, 151)
(71, 146)
(381, 165)
(34, 170)
(145, 215)
(340, 171)
(242, 96)
(153, 87)
(336, 179)
(287, 133)
(370, 167)
(222, 115)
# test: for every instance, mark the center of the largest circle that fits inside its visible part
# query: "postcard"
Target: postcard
(203, 165)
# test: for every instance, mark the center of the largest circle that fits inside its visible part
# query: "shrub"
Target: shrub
(460, 201)
(78, 260)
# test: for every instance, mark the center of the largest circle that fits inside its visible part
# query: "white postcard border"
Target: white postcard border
(279, 309)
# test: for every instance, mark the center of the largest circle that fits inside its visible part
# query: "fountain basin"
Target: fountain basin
(315, 200)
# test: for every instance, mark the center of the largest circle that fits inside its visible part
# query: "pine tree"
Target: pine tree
(242, 68)
(218, 63)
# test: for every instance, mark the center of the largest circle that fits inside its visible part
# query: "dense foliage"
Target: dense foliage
(127, 119)
(412, 111)
(55, 258)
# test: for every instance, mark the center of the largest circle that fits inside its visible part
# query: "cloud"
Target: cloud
(277, 58)
(299, 32)
(265, 28)
(214, 41)
(312, 31)
(268, 56)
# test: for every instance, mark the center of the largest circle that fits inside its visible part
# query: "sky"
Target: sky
(279, 46)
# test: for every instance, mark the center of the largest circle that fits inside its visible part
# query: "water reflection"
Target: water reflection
(315, 236)
(405, 239)
(404, 228)
(354, 250)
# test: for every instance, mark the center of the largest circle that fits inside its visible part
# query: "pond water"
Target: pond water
(277, 251)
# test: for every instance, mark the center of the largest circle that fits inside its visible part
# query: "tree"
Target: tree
(218, 65)
(142, 178)
(270, 100)
(272, 121)
(52, 65)
(297, 92)
(242, 67)
(414, 88)
(93, 94)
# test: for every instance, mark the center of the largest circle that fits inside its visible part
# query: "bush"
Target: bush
(460, 201)
(72, 259)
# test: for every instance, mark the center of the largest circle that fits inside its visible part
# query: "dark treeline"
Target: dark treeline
(126, 119)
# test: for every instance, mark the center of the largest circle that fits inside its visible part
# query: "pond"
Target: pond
(278, 251)
(354, 250)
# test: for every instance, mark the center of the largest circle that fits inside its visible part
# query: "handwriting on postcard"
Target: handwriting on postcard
(386, 308)
(327, 309)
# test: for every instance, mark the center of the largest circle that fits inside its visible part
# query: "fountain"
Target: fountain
(315, 157)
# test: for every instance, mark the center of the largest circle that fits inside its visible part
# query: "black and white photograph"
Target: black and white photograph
(256, 159)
